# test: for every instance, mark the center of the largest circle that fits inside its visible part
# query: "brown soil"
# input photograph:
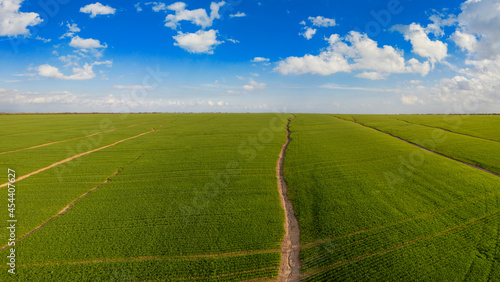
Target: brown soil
(290, 247)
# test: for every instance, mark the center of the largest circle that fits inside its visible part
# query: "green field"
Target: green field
(194, 196)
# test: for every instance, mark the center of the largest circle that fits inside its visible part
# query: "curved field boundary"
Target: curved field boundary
(400, 221)
(402, 245)
(60, 141)
(447, 130)
(74, 157)
(62, 211)
(428, 150)
(290, 247)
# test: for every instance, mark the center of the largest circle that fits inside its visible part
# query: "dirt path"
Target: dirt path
(74, 157)
(60, 141)
(290, 247)
(428, 150)
(62, 211)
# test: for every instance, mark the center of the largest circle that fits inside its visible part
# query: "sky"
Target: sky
(323, 56)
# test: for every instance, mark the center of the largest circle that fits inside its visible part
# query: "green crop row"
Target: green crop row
(474, 150)
(200, 185)
(357, 223)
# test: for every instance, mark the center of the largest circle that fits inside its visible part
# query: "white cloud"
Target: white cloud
(362, 53)
(438, 22)
(131, 87)
(138, 7)
(260, 60)
(482, 19)
(435, 51)
(78, 42)
(45, 40)
(356, 88)
(13, 22)
(371, 75)
(157, 6)
(78, 73)
(466, 42)
(70, 60)
(411, 100)
(72, 29)
(238, 15)
(198, 17)
(308, 33)
(233, 40)
(97, 9)
(199, 42)
(320, 21)
(254, 85)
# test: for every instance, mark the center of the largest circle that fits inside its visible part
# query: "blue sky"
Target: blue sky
(391, 56)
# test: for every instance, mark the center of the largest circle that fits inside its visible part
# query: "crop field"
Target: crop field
(373, 207)
(195, 197)
(168, 197)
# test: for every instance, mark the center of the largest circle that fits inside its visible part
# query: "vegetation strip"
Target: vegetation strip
(428, 150)
(75, 157)
(144, 258)
(60, 141)
(215, 276)
(62, 211)
(447, 130)
(402, 245)
(308, 245)
(290, 247)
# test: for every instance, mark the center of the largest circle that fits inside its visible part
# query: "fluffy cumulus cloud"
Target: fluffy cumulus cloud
(354, 52)
(198, 17)
(81, 43)
(478, 82)
(260, 60)
(199, 42)
(466, 41)
(86, 72)
(97, 9)
(13, 22)
(481, 19)
(238, 15)
(308, 32)
(319, 21)
(411, 100)
(72, 29)
(157, 6)
(254, 85)
(79, 73)
(422, 45)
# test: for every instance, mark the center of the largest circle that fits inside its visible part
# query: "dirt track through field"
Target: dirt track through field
(428, 150)
(290, 247)
(62, 211)
(60, 141)
(74, 157)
